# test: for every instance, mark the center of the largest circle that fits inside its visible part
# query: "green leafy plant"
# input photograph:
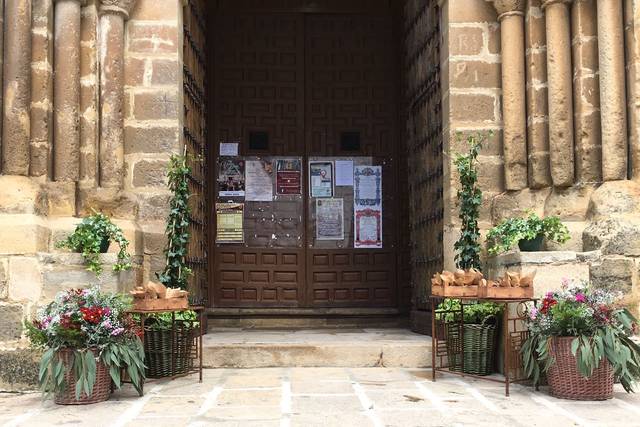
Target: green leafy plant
(162, 321)
(91, 237)
(92, 326)
(509, 232)
(473, 313)
(601, 329)
(470, 198)
(176, 272)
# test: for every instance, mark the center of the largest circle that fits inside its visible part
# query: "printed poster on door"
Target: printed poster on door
(259, 185)
(321, 179)
(329, 219)
(288, 177)
(367, 206)
(231, 177)
(229, 222)
(367, 228)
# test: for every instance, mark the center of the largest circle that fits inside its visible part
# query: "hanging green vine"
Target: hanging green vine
(470, 198)
(176, 272)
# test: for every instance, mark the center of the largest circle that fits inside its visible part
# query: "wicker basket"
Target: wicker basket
(158, 350)
(566, 382)
(479, 347)
(101, 388)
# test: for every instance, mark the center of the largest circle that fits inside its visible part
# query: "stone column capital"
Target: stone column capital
(509, 8)
(120, 7)
(550, 2)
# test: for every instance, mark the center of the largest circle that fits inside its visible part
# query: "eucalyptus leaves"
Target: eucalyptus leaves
(601, 328)
(92, 236)
(80, 330)
(470, 198)
(176, 272)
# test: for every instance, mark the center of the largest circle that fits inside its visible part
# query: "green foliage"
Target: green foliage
(176, 272)
(600, 329)
(88, 238)
(473, 313)
(162, 321)
(128, 355)
(509, 232)
(470, 198)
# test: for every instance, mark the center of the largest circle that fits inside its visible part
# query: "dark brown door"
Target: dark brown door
(305, 80)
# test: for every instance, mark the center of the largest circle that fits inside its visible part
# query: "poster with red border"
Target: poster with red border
(368, 228)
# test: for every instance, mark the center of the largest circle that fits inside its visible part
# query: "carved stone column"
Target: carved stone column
(612, 90)
(514, 108)
(16, 121)
(559, 72)
(586, 95)
(66, 90)
(113, 14)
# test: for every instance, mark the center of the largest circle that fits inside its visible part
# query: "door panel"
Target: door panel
(307, 80)
(259, 89)
(350, 88)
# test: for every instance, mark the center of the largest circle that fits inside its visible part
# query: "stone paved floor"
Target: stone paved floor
(324, 397)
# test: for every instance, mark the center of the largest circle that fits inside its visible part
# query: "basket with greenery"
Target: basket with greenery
(477, 335)
(92, 237)
(169, 343)
(580, 337)
(88, 338)
(527, 233)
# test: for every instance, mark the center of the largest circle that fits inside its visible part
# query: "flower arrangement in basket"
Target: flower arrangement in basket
(88, 338)
(581, 338)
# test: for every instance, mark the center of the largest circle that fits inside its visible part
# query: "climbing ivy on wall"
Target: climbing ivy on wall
(176, 272)
(469, 198)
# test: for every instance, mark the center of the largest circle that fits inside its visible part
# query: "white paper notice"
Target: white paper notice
(344, 173)
(229, 148)
(259, 185)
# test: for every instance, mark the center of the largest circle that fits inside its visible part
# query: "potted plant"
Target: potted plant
(528, 233)
(478, 337)
(88, 338)
(581, 339)
(93, 237)
(159, 348)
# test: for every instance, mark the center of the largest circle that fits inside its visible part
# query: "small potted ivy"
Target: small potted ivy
(528, 233)
(93, 237)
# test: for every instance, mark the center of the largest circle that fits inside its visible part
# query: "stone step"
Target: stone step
(247, 348)
(305, 318)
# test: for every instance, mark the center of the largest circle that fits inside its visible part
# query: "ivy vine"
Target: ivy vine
(470, 198)
(176, 272)
(91, 238)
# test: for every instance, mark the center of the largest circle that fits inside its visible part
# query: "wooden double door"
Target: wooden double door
(308, 86)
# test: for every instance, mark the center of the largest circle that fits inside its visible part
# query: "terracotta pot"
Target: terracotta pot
(566, 382)
(101, 388)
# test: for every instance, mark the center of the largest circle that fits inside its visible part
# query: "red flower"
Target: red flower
(547, 303)
(92, 314)
(68, 323)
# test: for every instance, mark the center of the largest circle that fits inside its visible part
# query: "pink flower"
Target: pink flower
(580, 297)
(565, 282)
(533, 313)
(117, 331)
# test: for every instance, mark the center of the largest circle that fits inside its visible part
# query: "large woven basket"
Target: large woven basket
(566, 382)
(101, 388)
(158, 349)
(479, 348)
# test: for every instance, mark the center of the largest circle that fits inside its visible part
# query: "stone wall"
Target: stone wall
(97, 136)
(553, 145)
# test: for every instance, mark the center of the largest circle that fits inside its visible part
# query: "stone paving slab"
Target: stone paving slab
(324, 397)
